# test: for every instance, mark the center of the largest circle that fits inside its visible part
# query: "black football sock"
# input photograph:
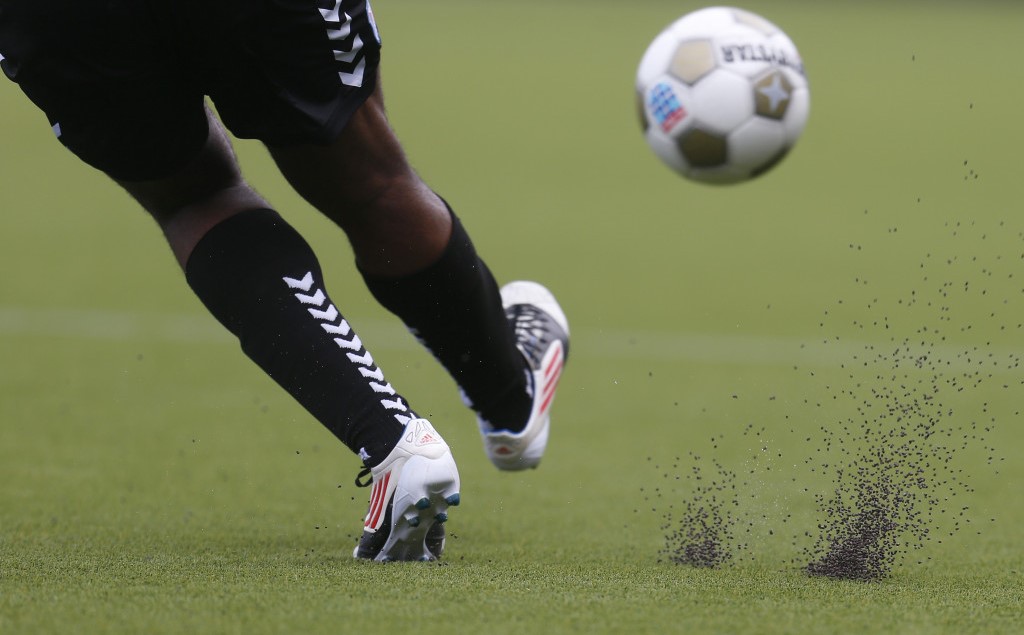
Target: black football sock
(262, 281)
(454, 308)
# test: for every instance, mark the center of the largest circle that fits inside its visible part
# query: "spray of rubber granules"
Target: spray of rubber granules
(699, 531)
(712, 524)
(902, 433)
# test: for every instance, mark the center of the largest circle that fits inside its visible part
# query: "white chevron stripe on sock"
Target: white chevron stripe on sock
(317, 299)
(330, 315)
(353, 344)
(375, 373)
(342, 329)
(305, 284)
(365, 359)
(394, 405)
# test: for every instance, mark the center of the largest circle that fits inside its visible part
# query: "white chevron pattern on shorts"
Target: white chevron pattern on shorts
(348, 48)
(330, 320)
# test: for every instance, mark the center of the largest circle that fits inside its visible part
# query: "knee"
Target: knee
(385, 194)
(204, 193)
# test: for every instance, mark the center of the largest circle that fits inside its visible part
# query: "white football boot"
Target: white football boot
(542, 336)
(412, 490)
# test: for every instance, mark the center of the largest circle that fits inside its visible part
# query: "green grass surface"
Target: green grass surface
(152, 480)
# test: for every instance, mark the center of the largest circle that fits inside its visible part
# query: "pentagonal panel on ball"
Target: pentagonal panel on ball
(772, 94)
(692, 60)
(703, 148)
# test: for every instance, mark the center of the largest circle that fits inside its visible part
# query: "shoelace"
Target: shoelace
(531, 328)
(363, 473)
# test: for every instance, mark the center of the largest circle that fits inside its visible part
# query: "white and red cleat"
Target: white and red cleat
(542, 336)
(412, 490)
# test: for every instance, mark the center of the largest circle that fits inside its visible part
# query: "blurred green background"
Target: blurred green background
(152, 480)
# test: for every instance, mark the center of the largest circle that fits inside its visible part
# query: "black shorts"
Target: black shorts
(123, 82)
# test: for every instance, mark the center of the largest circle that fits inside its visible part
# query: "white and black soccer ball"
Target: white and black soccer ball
(722, 95)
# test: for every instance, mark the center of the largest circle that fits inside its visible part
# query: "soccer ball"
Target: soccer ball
(722, 95)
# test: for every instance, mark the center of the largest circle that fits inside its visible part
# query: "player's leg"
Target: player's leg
(420, 263)
(293, 74)
(415, 256)
(249, 267)
(263, 282)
